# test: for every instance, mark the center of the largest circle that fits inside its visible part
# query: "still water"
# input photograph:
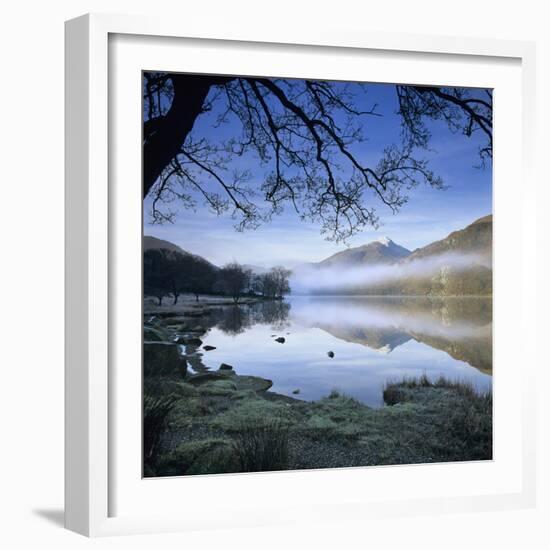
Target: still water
(374, 340)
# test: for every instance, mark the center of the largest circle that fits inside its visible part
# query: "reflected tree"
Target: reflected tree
(234, 319)
(238, 318)
(274, 313)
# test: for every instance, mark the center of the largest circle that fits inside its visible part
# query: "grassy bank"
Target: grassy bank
(231, 423)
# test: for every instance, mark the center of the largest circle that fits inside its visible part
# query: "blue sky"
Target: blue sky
(429, 215)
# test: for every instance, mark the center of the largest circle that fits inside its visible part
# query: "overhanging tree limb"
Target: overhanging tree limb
(305, 134)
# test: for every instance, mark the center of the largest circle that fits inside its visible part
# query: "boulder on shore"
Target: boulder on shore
(225, 366)
(154, 334)
(254, 383)
(163, 358)
(204, 377)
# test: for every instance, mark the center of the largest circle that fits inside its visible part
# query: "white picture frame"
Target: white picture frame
(93, 237)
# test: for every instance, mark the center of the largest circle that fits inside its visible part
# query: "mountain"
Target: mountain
(382, 251)
(462, 263)
(383, 340)
(476, 238)
(458, 265)
(153, 243)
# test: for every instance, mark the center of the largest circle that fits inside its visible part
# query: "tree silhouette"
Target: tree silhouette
(272, 284)
(234, 280)
(199, 277)
(460, 108)
(305, 134)
(167, 272)
(157, 267)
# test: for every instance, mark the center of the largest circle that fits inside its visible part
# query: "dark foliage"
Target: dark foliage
(155, 413)
(167, 272)
(465, 431)
(234, 280)
(262, 447)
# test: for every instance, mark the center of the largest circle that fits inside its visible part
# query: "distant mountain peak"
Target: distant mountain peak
(386, 241)
(383, 250)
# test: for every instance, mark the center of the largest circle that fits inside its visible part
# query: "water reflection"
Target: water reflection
(238, 318)
(374, 339)
(462, 327)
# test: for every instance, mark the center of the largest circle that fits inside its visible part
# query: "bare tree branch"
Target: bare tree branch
(304, 135)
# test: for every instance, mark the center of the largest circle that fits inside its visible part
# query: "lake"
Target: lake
(374, 340)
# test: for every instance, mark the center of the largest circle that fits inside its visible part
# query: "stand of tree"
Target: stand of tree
(170, 273)
(273, 284)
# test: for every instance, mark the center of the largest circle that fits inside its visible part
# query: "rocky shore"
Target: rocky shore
(201, 421)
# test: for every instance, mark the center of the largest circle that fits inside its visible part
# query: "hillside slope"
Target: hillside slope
(383, 251)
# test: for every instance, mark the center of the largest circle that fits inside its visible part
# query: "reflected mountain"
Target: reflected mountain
(477, 352)
(461, 327)
(381, 340)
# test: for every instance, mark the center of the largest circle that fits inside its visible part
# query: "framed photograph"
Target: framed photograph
(297, 275)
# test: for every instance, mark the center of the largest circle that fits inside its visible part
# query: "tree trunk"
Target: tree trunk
(176, 296)
(196, 297)
(159, 298)
(164, 136)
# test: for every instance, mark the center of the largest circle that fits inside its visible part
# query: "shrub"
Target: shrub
(320, 427)
(455, 419)
(206, 456)
(155, 413)
(396, 391)
(262, 447)
(393, 394)
(469, 425)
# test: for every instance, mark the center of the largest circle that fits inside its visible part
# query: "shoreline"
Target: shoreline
(214, 419)
(188, 304)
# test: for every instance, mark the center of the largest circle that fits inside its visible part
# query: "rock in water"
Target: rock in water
(163, 358)
(208, 348)
(281, 340)
(296, 392)
(189, 341)
(330, 354)
(225, 366)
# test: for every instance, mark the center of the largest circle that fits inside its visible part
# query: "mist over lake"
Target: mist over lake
(374, 340)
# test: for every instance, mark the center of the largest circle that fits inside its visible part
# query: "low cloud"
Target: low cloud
(341, 278)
